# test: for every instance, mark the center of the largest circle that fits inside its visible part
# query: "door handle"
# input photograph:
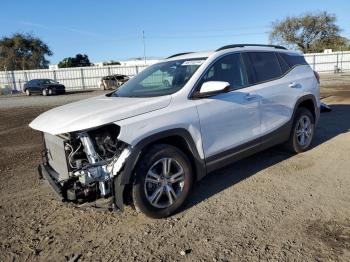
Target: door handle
(250, 97)
(294, 85)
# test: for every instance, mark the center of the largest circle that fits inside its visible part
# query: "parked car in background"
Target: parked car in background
(44, 87)
(112, 82)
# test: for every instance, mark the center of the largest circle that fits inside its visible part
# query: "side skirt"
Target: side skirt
(232, 155)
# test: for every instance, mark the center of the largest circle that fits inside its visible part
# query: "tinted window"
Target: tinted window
(229, 69)
(293, 59)
(265, 65)
(284, 66)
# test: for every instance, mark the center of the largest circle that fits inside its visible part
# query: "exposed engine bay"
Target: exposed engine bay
(84, 163)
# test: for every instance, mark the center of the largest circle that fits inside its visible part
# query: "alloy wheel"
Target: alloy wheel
(164, 182)
(304, 131)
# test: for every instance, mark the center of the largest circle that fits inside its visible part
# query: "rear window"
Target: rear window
(265, 66)
(293, 59)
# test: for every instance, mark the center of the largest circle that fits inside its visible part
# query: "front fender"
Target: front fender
(200, 167)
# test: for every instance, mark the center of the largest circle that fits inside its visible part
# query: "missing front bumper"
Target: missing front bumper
(112, 203)
(46, 173)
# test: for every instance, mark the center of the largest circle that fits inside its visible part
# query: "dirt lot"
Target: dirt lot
(273, 206)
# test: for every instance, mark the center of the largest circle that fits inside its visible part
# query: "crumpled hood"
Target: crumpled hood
(95, 112)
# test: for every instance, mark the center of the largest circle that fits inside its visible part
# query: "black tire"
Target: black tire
(44, 92)
(294, 143)
(154, 155)
(28, 92)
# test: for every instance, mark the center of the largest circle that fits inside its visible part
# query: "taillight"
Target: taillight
(317, 76)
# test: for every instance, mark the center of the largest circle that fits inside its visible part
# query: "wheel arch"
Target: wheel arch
(308, 102)
(179, 138)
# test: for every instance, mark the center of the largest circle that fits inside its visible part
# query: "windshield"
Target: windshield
(160, 79)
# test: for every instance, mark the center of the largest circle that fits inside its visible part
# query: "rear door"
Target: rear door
(37, 86)
(231, 119)
(274, 87)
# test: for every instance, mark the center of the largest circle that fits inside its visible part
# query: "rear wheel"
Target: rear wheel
(163, 181)
(28, 92)
(302, 131)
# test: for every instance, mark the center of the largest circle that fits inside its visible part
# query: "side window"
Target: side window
(265, 65)
(284, 66)
(293, 59)
(229, 69)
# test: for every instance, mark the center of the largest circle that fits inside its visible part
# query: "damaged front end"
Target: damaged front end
(81, 166)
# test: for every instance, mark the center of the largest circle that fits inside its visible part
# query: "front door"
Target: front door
(229, 120)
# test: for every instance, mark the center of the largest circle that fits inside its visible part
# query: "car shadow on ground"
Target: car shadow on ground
(331, 124)
(68, 92)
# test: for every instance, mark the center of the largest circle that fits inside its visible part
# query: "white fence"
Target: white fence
(78, 78)
(83, 78)
(332, 62)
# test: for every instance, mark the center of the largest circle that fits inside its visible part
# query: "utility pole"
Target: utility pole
(144, 45)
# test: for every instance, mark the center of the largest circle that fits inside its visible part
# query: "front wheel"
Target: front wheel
(303, 129)
(44, 92)
(163, 181)
(28, 92)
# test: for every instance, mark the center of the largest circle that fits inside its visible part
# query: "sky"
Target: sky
(112, 30)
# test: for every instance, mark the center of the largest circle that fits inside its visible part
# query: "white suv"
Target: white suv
(150, 142)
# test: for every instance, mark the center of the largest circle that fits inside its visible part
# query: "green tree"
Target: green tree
(23, 51)
(309, 33)
(78, 61)
(111, 62)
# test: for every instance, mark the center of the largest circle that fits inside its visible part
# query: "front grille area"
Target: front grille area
(56, 155)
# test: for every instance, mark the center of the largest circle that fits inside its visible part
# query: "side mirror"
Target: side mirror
(212, 88)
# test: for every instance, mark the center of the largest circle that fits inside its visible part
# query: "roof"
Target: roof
(192, 55)
(231, 48)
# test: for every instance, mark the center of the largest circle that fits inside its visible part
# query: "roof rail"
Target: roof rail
(243, 45)
(179, 54)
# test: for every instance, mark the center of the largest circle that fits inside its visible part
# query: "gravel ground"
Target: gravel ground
(273, 206)
(332, 80)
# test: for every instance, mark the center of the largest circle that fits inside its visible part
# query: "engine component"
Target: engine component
(92, 158)
(89, 148)
(105, 141)
(104, 188)
(79, 192)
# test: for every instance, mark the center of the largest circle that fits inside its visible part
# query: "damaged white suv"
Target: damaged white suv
(149, 142)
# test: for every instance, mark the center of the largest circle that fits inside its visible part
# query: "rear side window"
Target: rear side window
(284, 66)
(293, 59)
(265, 65)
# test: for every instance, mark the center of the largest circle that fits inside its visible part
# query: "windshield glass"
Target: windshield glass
(160, 79)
